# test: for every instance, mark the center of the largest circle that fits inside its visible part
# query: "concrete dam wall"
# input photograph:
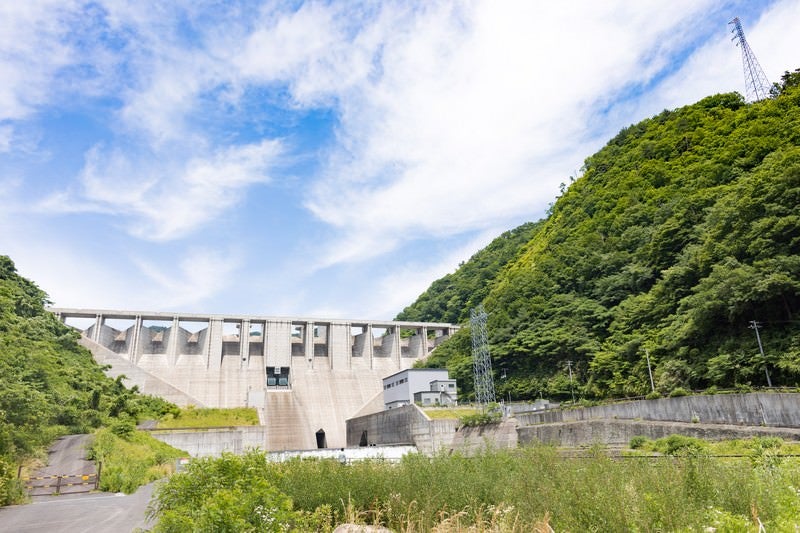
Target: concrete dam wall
(305, 376)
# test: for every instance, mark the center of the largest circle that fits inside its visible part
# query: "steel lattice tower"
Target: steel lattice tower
(482, 362)
(756, 83)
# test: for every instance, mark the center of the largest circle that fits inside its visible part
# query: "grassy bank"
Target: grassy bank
(192, 417)
(505, 491)
(450, 412)
(131, 458)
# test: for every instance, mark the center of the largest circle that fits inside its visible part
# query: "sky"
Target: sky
(323, 159)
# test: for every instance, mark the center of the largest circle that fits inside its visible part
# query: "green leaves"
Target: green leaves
(227, 494)
(49, 385)
(682, 230)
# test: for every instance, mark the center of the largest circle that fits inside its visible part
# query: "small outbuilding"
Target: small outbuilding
(424, 386)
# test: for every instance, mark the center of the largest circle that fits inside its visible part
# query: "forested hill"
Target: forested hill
(682, 230)
(49, 385)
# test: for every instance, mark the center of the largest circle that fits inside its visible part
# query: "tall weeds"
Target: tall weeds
(530, 488)
(522, 490)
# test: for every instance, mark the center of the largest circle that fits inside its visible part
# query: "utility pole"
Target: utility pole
(649, 370)
(571, 388)
(755, 325)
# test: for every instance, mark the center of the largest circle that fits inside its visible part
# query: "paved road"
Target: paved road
(66, 460)
(75, 509)
(85, 513)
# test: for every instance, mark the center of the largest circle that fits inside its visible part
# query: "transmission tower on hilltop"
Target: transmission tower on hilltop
(482, 362)
(757, 85)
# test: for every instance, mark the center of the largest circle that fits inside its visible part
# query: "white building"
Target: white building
(424, 386)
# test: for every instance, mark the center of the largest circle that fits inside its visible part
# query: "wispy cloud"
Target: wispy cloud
(478, 113)
(6, 132)
(196, 275)
(35, 46)
(164, 197)
(716, 66)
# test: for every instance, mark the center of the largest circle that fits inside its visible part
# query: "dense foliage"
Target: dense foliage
(233, 493)
(49, 385)
(682, 230)
(450, 298)
(521, 490)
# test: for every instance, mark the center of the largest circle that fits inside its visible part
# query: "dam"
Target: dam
(305, 376)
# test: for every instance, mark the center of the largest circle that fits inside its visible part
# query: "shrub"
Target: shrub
(131, 461)
(678, 391)
(230, 493)
(637, 442)
(122, 427)
(481, 419)
(10, 488)
(681, 445)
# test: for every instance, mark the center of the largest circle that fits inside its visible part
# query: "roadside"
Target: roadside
(100, 512)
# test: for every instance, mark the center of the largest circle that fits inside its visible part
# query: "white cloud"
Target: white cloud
(401, 286)
(32, 50)
(479, 113)
(6, 133)
(775, 39)
(166, 197)
(199, 274)
(77, 279)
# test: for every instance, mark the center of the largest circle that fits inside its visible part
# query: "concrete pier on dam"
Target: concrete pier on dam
(305, 376)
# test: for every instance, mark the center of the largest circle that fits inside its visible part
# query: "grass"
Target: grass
(192, 417)
(755, 447)
(520, 489)
(131, 458)
(450, 412)
(526, 489)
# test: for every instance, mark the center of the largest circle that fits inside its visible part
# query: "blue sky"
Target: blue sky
(326, 159)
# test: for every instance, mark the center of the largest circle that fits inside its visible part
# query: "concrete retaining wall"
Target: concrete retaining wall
(410, 425)
(386, 427)
(430, 436)
(214, 441)
(753, 409)
(404, 425)
(469, 440)
(620, 432)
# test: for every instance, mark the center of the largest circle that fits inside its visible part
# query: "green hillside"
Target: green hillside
(450, 298)
(682, 230)
(49, 385)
